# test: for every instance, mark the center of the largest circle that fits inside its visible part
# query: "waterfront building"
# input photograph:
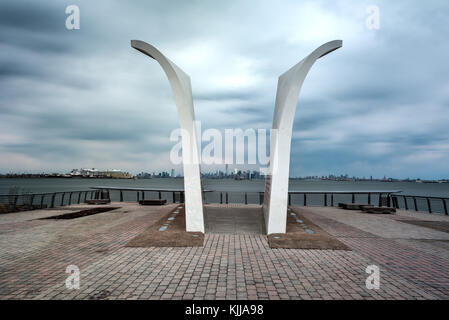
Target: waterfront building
(95, 173)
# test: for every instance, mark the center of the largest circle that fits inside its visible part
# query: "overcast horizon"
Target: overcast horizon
(84, 98)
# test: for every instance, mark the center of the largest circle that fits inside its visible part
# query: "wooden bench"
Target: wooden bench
(367, 208)
(381, 210)
(354, 206)
(98, 201)
(152, 202)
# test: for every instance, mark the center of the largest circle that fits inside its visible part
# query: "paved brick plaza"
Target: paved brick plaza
(413, 260)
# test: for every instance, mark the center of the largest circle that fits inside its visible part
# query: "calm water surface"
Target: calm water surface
(62, 184)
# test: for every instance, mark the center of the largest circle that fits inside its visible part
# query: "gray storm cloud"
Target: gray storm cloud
(379, 106)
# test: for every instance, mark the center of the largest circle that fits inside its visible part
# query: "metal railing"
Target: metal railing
(178, 196)
(332, 198)
(31, 201)
(137, 194)
(306, 198)
(420, 203)
(16, 202)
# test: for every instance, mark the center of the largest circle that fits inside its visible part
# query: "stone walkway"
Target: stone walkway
(234, 220)
(34, 254)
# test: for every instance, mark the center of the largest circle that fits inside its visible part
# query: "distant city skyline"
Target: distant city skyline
(217, 174)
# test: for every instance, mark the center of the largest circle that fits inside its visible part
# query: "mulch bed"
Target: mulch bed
(297, 237)
(82, 213)
(175, 234)
(435, 225)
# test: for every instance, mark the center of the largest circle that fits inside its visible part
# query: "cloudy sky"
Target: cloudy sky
(84, 98)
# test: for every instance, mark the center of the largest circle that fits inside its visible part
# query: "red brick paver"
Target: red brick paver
(33, 259)
(424, 262)
(34, 255)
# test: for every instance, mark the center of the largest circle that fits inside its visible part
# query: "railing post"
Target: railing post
(428, 205)
(369, 197)
(380, 200)
(416, 205)
(227, 199)
(42, 200)
(405, 203)
(174, 197)
(62, 199)
(138, 196)
(143, 195)
(332, 199)
(353, 198)
(52, 205)
(261, 197)
(444, 206)
(160, 195)
(289, 199)
(79, 197)
(325, 199)
(221, 197)
(305, 199)
(70, 198)
(182, 196)
(30, 206)
(388, 200)
(121, 196)
(395, 202)
(14, 208)
(246, 198)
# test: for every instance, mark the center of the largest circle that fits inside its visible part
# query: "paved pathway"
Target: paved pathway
(413, 260)
(234, 220)
(418, 254)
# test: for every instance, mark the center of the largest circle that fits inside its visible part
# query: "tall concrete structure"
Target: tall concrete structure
(276, 187)
(180, 84)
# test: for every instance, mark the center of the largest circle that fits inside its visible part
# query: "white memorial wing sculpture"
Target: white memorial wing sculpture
(180, 84)
(276, 187)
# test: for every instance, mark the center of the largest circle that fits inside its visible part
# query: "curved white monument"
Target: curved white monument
(276, 187)
(180, 84)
